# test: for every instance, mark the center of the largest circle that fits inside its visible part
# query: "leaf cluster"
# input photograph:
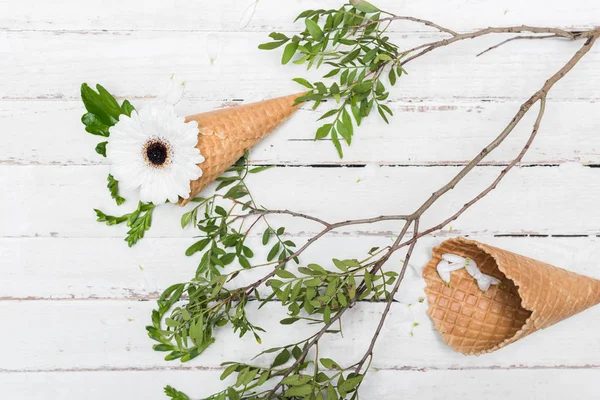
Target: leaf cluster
(351, 42)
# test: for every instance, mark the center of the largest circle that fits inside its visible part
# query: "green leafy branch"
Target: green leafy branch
(351, 41)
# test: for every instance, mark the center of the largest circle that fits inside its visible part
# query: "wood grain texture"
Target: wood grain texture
(57, 201)
(75, 296)
(536, 384)
(105, 334)
(133, 64)
(104, 268)
(205, 15)
(425, 133)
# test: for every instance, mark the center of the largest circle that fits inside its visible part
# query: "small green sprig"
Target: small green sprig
(351, 41)
(139, 221)
(113, 187)
(216, 217)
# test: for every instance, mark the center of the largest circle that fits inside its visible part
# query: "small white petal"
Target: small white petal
(444, 275)
(248, 14)
(170, 93)
(212, 47)
(484, 284)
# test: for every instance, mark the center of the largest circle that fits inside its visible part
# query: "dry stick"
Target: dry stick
(515, 38)
(412, 19)
(388, 306)
(539, 95)
(511, 29)
(337, 224)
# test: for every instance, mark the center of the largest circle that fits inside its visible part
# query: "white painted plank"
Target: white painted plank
(424, 133)
(134, 64)
(106, 334)
(71, 268)
(227, 14)
(58, 201)
(536, 384)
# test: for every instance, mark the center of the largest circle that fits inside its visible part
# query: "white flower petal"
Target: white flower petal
(212, 47)
(132, 168)
(171, 91)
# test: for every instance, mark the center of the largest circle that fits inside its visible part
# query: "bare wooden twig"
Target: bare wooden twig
(516, 38)
(540, 96)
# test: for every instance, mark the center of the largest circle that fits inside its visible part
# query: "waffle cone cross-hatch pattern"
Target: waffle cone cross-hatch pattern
(533, 295)
(225, 135)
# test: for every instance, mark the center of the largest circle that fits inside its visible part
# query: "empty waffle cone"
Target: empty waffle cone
(533, 295)
(225, 135)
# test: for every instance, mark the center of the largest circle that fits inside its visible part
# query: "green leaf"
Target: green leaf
(266, 236)
(94, 126)
(282, 273)
(102, 104)
(175, 394)
(350, 384)
(127, 108)
(304, 14)
(289, 52)
(364, 6)
(314, 29)
(288, 321)
(196, 247)
(323, 131)
(113, 187)
(301, 390)
(232, 394)
(329, 363)
(101, 148)
(392, 77)
(331, 73)
(351, 56)
(271, 45)
(273, 252)
(296, 380)
(336, 143)
(303, 82)
(262, 168)
(363, 87)
(281, 358)
(228, 371)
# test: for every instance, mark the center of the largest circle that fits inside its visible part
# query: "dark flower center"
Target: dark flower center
(157, 153)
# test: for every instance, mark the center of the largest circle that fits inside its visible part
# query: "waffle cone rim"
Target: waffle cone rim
(525, 328)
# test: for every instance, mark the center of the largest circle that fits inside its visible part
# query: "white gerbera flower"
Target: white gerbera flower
(155, 150)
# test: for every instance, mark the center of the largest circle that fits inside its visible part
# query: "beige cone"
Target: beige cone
(534, 295)
(225, 135)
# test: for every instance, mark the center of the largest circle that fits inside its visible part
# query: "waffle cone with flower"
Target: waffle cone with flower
(225, 135)
(533, 295)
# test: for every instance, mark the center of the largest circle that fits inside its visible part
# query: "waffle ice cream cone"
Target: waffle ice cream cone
(225, 135)
(533, 295)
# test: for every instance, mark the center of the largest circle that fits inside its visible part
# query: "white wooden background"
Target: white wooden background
(73, 299)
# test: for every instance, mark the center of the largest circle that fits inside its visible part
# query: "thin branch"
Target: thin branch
(413, 19)
(516, 38)
(390, 300)
(428, 47)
